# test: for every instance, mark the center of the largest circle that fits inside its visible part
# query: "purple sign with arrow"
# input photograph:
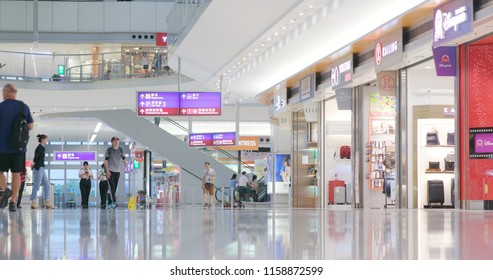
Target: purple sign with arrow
(200, 103)
(158, 103)
(74, 155)
(212, 139)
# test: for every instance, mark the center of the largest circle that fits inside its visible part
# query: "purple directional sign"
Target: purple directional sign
(200, 103)
(158, 103)
(212, 139)
(73, 155)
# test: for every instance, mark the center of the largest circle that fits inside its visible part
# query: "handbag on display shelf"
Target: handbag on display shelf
(450, 138)
(432, 137)
(433, 166)
(449, 162)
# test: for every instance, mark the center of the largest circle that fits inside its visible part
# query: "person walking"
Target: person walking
(233, 183)
(21, 190)
(11, 159)
(85, 175)
(39, 174)
(103, 186)
(113, 159)
(208, 185)
(254, 190)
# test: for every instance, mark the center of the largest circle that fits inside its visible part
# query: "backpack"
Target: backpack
(19, 134)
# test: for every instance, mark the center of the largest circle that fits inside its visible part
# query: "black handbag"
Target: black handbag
(432, 137)
(450, 138)
(434, 165)
(449, 162)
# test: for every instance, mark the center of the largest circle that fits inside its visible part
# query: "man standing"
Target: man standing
(243, 183)
(112, 161)
(208, 184)
(10, 158)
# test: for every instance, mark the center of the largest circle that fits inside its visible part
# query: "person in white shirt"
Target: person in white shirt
(243, 183)
(85, 175)
(208, 184)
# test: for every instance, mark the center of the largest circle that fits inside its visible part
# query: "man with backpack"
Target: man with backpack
(15, 121)
(112, 161)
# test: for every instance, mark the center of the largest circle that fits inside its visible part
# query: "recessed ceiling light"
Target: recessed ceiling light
(284, 28)
(311, 6)
(293, 20)
(262, 44)
(239, 63)
(229, 70)
(428, 67)
(234, 66)
(277, 33)
(56, 109)
(114, 108)
(249, 54)
(87, 109)
(268, 39)
(244, 58)
(301, 14)
(256, 50)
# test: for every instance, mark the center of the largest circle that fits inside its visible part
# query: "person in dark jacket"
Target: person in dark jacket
(39, 174)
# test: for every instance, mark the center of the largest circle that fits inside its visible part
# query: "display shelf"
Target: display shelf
(311, 164)
(439, 146)
(439, 172)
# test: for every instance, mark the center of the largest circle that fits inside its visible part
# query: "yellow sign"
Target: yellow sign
(131, 203)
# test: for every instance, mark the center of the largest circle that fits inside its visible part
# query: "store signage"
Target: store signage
(311, 111)
(178, 103)
(74, 155)
(344, 98)
(341, 73)
(445, 61)
(389, 51)
(449, 111)
(307, 87)
(161, 39)
(200, 103)
(212, 139)
(139, 156)
(245, 143)
(280, 97)
(386, 83)
(452, 20)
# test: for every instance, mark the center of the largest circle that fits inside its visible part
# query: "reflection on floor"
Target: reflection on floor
(195, 233)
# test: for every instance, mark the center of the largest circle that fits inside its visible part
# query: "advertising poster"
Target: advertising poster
(281, 175)
(382, 105)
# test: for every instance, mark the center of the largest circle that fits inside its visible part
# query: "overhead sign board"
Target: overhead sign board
(341, 73)
(389, 50)
(452, 20)
(200, 103)
(245, 143)
(344, 98)
(176, 103)
(212, 139)
(75, 155)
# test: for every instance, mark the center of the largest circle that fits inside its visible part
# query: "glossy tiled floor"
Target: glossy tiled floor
(194, 233)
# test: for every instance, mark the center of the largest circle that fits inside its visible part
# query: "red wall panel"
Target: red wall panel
(476, 91)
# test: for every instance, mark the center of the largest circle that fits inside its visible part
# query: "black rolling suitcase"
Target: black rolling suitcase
(435, 192)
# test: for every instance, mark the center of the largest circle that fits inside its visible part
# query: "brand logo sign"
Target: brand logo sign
(388, 51)
(245, 143)
(484, 143)
(449, 111)
(445, 61)
(162, 39)
(452, 20)
(307, 87)
(341, 73)
(386, 82)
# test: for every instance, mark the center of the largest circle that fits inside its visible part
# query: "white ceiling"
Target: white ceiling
(256, 44)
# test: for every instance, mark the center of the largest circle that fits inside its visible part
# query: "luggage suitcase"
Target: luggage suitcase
(332, 185)
(339, 195)
(345, 152)
(435, 192)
